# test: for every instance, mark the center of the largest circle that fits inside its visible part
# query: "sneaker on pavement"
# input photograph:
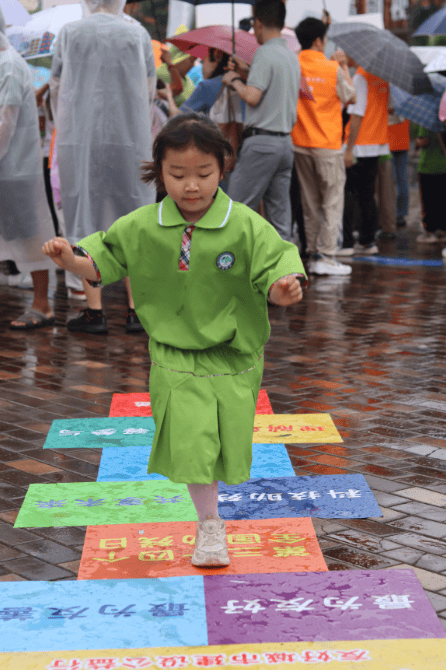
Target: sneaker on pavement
(345, 251)
(427, 238)
(89, 321)
(327, 265)
(366, 249)
(76, 295)
(443, 253)
(210, 544)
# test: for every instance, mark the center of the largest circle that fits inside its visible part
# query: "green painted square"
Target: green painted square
(101, 503)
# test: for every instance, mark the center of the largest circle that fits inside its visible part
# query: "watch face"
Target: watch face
(225, 260)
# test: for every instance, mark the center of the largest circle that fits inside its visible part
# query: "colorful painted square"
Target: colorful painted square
(103, 503)
(138, 404)
(165, 549)
(370, 655)
(130, 463)
(292, 428)
(100, 432)
(43, 616)
(325, 497)
(298, 607)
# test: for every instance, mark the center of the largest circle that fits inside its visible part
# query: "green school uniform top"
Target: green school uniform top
(432, 159)
(235, 257)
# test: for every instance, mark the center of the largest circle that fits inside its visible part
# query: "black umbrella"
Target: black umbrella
(382, 54)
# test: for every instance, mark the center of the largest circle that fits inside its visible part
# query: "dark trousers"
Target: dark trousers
(432, 190)
(296, 210)
(360, 210)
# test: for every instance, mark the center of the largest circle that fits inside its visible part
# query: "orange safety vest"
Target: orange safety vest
(319, 123)
(399, 139)
(373, 128)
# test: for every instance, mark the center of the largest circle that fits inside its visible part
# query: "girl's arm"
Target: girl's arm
(60, 251)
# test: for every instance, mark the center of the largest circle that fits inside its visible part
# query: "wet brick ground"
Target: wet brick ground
(368, 349)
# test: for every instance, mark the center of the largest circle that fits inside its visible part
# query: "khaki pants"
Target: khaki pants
(386, 195)
(321, 180)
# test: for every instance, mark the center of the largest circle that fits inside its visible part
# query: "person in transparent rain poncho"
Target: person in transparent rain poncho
(103, 84)
(25, 219)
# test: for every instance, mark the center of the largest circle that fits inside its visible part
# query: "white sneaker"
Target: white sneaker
(443, 253)
(427, 238)
(76, 295)
(345, 251)
(327, 265)
(210, 544)
(366, 249)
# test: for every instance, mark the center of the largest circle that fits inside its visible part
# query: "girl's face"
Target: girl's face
(191, 179)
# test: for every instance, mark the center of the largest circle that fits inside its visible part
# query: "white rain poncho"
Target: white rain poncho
(25, 219)
(102, 86)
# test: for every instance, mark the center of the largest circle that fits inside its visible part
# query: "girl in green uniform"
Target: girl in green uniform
(201, 268)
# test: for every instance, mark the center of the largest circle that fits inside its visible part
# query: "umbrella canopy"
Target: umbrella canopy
(422, 109)
(434, 25)
(35, 39)
(382, 54)
(14, 13)
(438, 62)
(197, 42)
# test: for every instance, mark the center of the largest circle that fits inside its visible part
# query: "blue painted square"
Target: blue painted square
(130, 463)
(115, 431)
(325, 497)
(126, 614)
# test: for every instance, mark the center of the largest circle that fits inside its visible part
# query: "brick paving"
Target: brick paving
(368, 349)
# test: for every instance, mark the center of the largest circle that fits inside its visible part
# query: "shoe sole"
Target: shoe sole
(96, 331)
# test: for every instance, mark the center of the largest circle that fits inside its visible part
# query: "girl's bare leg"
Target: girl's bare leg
(93, 295)
(128, 288)
(205, 499)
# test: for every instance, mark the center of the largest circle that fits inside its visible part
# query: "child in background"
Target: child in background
(432, 181)
(202, 268)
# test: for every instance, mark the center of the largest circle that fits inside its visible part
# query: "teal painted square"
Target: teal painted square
(130, 463)
(100, 432)
(103, 503)
(102, 614)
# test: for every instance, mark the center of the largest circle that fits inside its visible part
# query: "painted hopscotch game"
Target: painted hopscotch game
(130, 463)
(139, 404)
(139, 603)
(103, 503)
(165, 549)
(351, 605)
(139, 431)
(369, 654)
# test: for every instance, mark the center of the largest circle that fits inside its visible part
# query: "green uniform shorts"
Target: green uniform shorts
(203, 405)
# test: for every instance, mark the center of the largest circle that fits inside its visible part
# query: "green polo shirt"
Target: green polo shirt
(235, 256)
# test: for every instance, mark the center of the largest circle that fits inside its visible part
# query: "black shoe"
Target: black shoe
(132, 323)
(381, 235)
(89, 321)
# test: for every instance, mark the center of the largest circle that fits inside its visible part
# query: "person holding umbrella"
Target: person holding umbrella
(265, 162)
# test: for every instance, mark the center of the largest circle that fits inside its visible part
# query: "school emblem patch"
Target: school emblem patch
(225, 260)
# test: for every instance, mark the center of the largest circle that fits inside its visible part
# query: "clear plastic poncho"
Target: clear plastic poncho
(103, 85)
(25, 219)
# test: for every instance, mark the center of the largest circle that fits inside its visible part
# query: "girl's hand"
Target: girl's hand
(286, 291)
(60, 251)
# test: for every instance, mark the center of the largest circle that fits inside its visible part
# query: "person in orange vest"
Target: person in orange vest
(399, 142)
(317, 143)
(365, 141)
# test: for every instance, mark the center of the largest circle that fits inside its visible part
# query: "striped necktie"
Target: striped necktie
(185, 247)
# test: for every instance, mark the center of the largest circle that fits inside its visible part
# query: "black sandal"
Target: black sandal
(132, 322)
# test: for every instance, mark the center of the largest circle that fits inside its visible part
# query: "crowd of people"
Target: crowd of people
(333, 164)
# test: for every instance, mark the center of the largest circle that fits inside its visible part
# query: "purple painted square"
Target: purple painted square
(318, 606)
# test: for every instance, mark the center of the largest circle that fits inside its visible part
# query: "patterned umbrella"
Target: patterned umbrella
(382, 54)
(421, 109)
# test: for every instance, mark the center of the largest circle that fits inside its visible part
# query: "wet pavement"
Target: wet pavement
(368, 349)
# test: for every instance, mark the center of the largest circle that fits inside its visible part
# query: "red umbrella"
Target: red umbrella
(197, 42)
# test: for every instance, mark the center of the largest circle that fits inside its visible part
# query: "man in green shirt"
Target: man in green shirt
(432, 181)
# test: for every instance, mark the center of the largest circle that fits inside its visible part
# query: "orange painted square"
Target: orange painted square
(132, 551)
(124, 404)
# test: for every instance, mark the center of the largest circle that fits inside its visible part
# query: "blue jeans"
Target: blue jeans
(400, 173)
